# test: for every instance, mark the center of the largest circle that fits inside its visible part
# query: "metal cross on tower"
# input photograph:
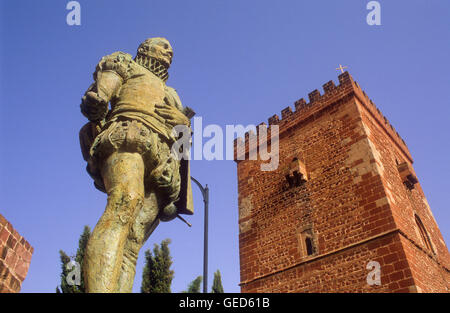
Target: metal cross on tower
(341, 68)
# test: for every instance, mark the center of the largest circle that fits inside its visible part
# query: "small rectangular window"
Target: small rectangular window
(306, 242)
(309, 246)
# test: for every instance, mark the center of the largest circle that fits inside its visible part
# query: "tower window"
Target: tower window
(306, 242)
(423, 233)
(309, 246)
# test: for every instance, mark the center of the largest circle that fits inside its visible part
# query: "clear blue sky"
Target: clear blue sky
(235, 62)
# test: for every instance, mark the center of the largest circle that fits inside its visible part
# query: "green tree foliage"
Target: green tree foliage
(157, 276)
(194, 286)
(65, 259)
(65, 287)
(217, 283)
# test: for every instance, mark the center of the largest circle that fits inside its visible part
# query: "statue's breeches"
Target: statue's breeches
(162, 174)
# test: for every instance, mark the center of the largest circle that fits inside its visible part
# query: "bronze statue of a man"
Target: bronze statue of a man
(128, 151)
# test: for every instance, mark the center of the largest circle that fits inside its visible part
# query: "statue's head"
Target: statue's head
(156, 48)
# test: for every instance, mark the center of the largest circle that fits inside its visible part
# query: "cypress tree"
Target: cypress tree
(65, 287)
(157, 276)
(65, 259)
(217, 283)
(81, 251)
(194, 286)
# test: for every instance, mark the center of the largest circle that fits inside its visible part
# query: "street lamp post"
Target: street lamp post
(205, 194)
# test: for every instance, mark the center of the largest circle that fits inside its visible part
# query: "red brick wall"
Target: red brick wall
(344, 271)
(428, 267)
(15, 257)
(349, 201)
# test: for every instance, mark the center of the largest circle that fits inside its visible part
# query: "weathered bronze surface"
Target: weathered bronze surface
(127, 148)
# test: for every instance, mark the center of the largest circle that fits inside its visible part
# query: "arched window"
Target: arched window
(423, 233)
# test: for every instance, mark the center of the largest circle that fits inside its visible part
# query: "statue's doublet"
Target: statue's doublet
(139, 93)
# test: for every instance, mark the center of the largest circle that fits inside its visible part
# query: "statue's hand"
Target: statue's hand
(172, 115)
(93, 107)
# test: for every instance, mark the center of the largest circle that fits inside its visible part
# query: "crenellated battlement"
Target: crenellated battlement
(318, 102)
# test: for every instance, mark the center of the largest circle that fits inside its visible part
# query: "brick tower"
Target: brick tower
(343, 206)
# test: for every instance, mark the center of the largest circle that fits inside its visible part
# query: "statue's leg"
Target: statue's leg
(145, 223)
(123, 175)
(163, 189)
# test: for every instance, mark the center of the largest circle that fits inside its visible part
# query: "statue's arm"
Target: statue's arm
(110, 74)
